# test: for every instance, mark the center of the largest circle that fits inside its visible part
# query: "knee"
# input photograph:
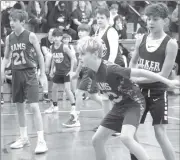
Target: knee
(34, 107)
(96, 141)
(159, 132)
(126, 139)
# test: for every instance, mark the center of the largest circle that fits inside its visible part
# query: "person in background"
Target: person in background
(120, 27)
(60, 18)
(113, 13)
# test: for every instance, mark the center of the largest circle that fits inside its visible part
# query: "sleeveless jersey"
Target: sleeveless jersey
(23, 53)
(62, 60)
(153, 61)
(106, 52)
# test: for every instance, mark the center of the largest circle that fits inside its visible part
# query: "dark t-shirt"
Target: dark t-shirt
(114, 81)
(45, 43)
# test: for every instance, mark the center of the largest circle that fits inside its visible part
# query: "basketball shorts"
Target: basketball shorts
(125, 112)
(87, 84)
(60, 79)
(25, 86)
(157, 105)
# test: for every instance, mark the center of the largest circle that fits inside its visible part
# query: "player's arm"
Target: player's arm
(7, 54)
(34, 41)
(135, 55)
(134, 72)
(113, 40)
(71, 56)
(171, 53)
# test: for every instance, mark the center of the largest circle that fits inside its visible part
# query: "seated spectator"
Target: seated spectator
(120, 26)
(98, 4)
(60, 18)
(37, 15)
(81, 15)
(113, 13)
(19, 5)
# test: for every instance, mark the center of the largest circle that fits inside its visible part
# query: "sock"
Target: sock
(133, 157)
(23, 132)
(1, 95)
(55, 104)
(40, 135)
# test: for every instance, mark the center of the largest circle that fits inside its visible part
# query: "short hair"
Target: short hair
(57, 32)
(114, 6)
(18, 14)
(84, 27)
(157, 10)
(103, 11)
(91, 45)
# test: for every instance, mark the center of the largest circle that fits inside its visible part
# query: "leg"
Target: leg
(2, 99)
(163, 140)
(69, 93)
(129, 127)
(99, 139)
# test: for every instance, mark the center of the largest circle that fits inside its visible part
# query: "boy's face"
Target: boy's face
(102, 20)
(82, 33)
(15, 24)
(57, 39)
(66, 40)
(87, 59)
(155, 24)
(114, 11)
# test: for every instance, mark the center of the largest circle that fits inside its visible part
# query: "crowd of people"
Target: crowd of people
(96, 64)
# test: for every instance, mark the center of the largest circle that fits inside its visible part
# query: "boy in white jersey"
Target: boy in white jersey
(156, 52)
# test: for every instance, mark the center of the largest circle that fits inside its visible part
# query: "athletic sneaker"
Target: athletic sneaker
(45, 98)
(51, 109)
(116, 134)
(72, 122)
(20, 143)
(2, 100)
(41, 147)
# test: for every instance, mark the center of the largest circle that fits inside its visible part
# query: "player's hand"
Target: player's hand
(51, 74)
(70, 74)
(74, 75)
(174, 84)
(42, 79)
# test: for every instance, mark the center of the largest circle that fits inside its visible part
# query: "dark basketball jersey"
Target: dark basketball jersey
(153, 61)
(106, 52)
(62, 60)
(114, 81)
(23, 52)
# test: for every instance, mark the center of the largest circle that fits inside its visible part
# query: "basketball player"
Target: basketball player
(24, 47)
(114, 81)
(110, 41)
(84, 84)
(156, 52)
(61, 69)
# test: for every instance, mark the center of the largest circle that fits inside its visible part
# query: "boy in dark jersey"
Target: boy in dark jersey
(24, 47)
(114, 81)
(84, 86)
(61, 69)
(156, 52)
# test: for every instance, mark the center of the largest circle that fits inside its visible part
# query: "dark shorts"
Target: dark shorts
(87, 84)
(61, 79)
(125, 112)
(25, 86)
(157, 105)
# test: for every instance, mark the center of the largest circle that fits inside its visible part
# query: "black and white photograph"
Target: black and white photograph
(90, 80)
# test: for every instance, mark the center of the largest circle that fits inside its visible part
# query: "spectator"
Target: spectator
(113, 13)
(120, 27)
(19, 5)
(94, 27)
(98, 4)
(37, 15)
(82, 14)
(60, 18)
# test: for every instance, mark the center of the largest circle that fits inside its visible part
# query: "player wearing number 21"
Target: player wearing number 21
(24, 49)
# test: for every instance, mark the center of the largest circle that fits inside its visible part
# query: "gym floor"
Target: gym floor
(75, 143)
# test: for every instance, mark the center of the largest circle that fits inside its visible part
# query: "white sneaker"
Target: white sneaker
(20, 143)
(51, 109)
(72, 122)
(41, 147)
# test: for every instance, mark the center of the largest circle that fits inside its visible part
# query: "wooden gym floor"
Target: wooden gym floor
(75, 143)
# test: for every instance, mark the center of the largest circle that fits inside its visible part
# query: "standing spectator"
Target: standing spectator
(37, 15)
(60, 17)
(120, 27)
(98, 4)
(113, 13)
(82, 14)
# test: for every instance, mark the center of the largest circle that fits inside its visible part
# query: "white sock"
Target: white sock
(40, 135)
(23, 132)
